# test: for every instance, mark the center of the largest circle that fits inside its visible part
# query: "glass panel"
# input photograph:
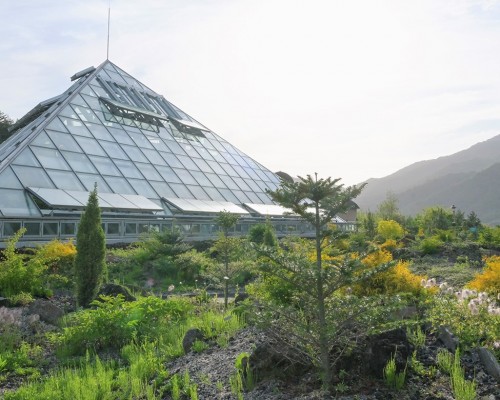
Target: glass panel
(190, 150)
(119, 185)
(142, 202)
(76, 127)
(188, 163)
(65, 180)
(229, 196)
(154, 157)
(87, 90)
(32, 176)
(77, 100)
(59, 198)
(43, 140)
(143, 228)
(216, 181)
(130, 228)
(50, 228)
(229, 170)
(214, 194)
(114, 200)
(92, 102)
(216, 167)
(85, 114)
(229, 182)
(198, 192)
(120, 136)
(114, 150)
(175, 147)
(57, 125)
(163, 189)
(185, 176)
(10, 228)
(113, 228)
(68, 112)
(253, 185)
(253, 197)
(105, 166)
(240, 171)
(264, 197)
(79, 162)
(17, 203)
(201, 178)
(250, 162)
(241, 183)
(90, 146)
(251, 173)
(140, 140)
(68, 228)
(149, 172)
(32, 228)
(143, 188)
(26, 158)
(89, 181)
(216, 155)
(172, 160)
(134, 153)
(240, 160)
(9, 180)
(100, 132)
(229, 158)
(128, 169)
(241, 196)
(168, 174)
(50, 158)
(202, 165)
(159, 145)
(63, 141)
(181, 191)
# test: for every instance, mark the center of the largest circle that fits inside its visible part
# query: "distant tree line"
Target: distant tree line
(5, 123)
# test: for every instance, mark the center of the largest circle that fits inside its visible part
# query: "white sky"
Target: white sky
(349, 89)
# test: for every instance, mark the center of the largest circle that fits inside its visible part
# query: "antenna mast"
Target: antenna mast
(109, 18)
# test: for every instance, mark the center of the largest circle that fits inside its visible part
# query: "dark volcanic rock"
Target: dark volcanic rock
(48, 312)
(112, 289)
(271, 359)
(190, 337)
(382, 347)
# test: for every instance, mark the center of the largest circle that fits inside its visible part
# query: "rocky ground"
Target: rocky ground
(217, 364)
(279, 378)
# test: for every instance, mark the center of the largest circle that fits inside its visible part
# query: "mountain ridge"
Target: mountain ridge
(467, 179)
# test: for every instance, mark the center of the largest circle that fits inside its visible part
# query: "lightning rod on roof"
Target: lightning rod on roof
(109, 18)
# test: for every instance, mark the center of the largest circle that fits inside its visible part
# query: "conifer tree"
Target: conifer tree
(90, 267)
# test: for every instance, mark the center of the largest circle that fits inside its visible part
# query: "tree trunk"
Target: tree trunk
(323, 328)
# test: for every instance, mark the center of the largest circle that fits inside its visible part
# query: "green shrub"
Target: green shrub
(472, 328)
(430, 245)
(190, 265)
(21, 274)
(114, 323)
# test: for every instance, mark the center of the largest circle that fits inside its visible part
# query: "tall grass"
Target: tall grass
(139, 372)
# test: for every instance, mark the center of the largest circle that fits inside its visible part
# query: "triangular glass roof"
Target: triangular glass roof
(110, 129)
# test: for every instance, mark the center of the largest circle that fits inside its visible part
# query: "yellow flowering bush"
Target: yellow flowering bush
(489, 280)
(397, 279)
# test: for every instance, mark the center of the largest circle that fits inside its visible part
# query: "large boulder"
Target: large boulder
(382, 347)
(113, 290)
(48, 312)
(191, 336)
(272, 359)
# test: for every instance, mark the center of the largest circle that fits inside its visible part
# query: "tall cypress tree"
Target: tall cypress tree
(90, 264)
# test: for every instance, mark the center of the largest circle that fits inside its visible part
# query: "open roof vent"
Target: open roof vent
(83, 72)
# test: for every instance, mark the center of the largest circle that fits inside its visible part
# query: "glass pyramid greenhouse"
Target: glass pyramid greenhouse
(155, 166)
